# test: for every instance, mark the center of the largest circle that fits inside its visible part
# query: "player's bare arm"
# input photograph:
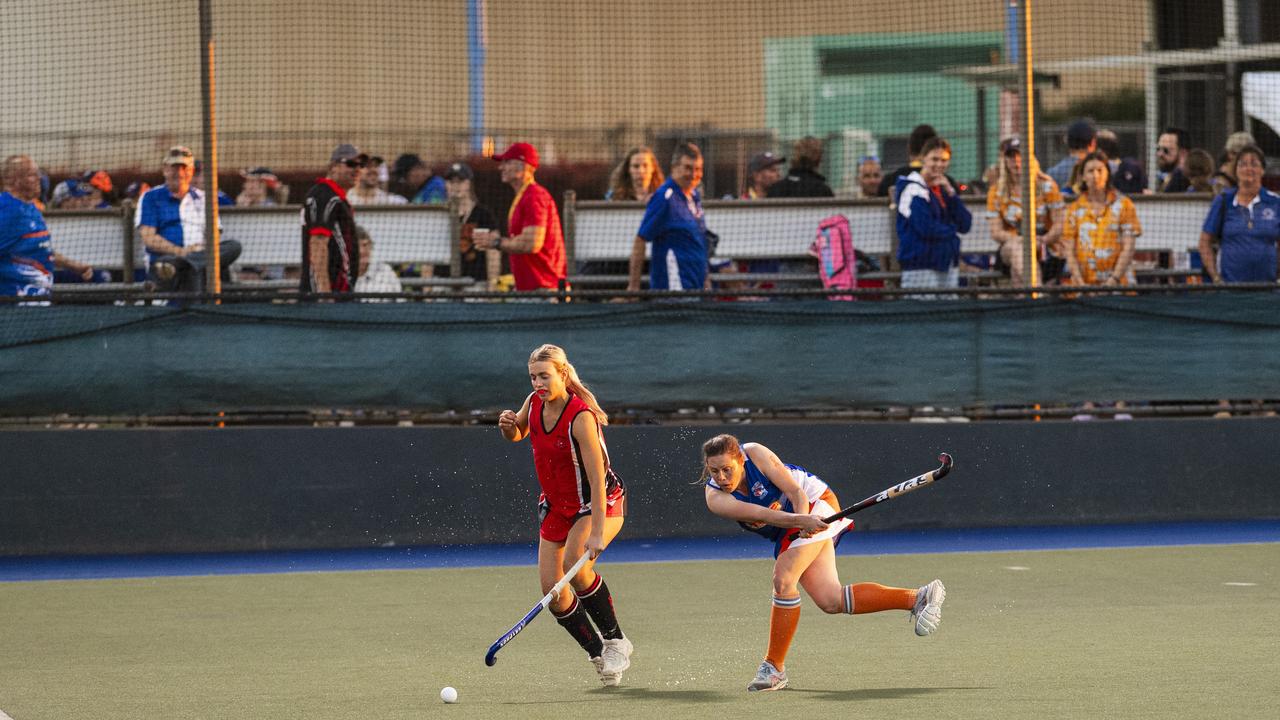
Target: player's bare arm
(727, 506)
(515, 425)
(586, 434)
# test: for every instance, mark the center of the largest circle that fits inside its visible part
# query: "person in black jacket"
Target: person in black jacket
(803, 179)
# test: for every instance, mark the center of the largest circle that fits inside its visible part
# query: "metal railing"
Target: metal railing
(595, 232)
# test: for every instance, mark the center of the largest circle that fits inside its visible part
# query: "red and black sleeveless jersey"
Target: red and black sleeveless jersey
(558, 460)
(326, 212)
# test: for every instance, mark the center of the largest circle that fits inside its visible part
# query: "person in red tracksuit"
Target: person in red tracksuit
(563, 421)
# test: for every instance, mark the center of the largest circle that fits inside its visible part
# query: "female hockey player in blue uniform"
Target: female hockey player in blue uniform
(786, 504)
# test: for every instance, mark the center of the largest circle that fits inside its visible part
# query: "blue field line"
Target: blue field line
(741, 546)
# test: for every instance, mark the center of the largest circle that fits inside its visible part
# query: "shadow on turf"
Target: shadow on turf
(644, 693)
(637, 693)
(877, 693)
(709, 696)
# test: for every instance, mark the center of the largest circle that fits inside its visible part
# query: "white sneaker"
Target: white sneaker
(598, 662)
(927, 613)
(768, 678)
(615, 659)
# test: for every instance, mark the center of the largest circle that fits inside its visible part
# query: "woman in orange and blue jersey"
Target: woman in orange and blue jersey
(785, 504)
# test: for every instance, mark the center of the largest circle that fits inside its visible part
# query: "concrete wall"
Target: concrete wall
(208, 490)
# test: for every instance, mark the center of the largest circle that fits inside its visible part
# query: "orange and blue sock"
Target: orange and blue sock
(872, 597)
(783, 620)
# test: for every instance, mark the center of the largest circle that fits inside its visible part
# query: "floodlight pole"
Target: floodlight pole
(477, 49)
(212, 236)
(1030, 268)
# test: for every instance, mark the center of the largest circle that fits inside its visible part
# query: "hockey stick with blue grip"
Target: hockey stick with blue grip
(491, 657)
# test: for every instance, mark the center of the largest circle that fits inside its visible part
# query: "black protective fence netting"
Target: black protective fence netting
(802, 112)
(669, 359)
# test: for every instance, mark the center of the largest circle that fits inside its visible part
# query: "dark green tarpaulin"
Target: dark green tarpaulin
(131, 359)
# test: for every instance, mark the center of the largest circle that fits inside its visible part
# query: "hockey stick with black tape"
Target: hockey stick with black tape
(901, 488)
(491, 657)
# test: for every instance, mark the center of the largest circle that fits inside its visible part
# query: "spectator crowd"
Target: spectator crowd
(1085, 223)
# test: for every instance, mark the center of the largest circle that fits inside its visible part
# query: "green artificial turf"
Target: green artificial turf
(1127, 633)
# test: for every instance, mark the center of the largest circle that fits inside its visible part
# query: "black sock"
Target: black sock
(599, 604)
(574, 619)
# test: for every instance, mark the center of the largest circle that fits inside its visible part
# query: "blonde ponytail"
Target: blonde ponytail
(556, 356)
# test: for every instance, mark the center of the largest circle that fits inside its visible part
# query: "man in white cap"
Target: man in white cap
(330, 248)
(170, 221)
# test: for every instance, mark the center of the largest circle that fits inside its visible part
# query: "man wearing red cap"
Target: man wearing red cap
(534, 240)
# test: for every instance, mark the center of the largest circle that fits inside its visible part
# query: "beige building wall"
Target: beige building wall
(115, 82)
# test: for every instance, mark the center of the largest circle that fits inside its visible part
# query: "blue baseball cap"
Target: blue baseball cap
(66, 190)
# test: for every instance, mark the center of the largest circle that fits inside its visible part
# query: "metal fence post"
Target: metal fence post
(570, 229)
(1026, 96)
(455, 238)
(212, 233)
(126, 217)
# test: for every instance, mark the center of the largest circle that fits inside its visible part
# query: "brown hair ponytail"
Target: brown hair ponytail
(724, 444)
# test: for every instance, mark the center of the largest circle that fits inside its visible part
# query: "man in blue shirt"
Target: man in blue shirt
(1082, 139)
(411, 178)
(170, 221)
(26, 254)
(673, 223)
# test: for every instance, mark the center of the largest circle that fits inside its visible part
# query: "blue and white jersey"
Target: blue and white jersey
(929, 225)
(1249, 236)
(26, 254)
(761, 491)
(178, 220)
(674, 225)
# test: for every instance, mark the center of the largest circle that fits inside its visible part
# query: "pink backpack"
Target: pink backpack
(833, 247)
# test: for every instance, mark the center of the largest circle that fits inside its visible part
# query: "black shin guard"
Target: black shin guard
(579, 626)
(599, 604)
